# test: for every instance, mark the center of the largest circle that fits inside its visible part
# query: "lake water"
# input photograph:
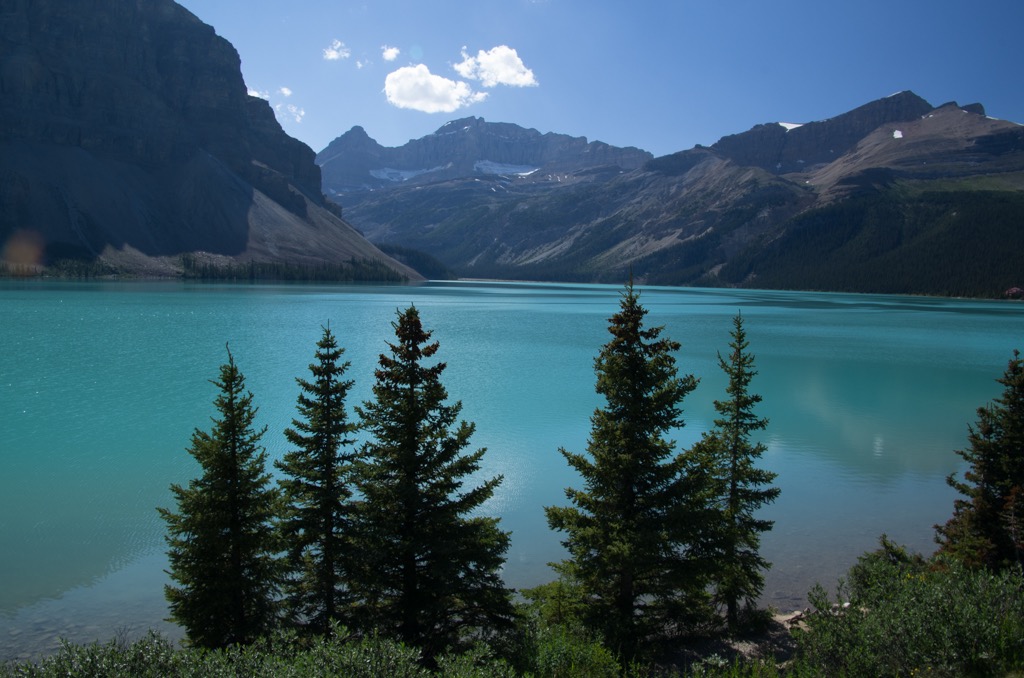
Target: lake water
(102, 384)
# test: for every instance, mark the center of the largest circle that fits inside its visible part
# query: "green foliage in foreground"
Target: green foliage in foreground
(900, 615)
(906, 616)
(282, 656)
(561, 653)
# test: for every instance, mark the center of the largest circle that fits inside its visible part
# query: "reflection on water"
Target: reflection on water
(102, 384)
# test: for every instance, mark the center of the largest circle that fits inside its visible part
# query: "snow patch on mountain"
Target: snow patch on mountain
(791, 125)
(396, 175)
(489, 167)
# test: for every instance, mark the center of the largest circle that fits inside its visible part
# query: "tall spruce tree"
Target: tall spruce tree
(729, 455)
(317, 516)
(987, 526)
(635, 532)
(431, 569)
(222, 540)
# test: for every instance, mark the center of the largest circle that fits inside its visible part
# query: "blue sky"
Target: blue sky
(661, 75)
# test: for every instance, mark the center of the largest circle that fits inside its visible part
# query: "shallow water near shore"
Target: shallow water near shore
(101, 385)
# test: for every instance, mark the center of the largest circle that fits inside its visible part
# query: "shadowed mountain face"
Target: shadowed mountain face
(127, 137)
(894, 196)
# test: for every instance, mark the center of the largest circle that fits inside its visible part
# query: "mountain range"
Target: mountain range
(896, 195)
(129, 144)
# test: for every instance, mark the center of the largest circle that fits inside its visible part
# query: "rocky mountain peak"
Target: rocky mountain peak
(356, 133)
(463, 148)
(783, 148)
(461, 125)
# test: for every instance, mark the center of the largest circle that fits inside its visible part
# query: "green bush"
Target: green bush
(900, 615)
(556, 603)
(151, 656)
(155, 657)
(897, 614)
(556, 644)
(478, 662)
(566, 652)
(282, 655)
(718, 667)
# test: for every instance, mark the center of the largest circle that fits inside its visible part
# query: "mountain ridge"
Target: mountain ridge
(718, 215)
(463, 147)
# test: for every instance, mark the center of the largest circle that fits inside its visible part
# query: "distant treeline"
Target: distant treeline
(194, 268)
(75, 269)
(421, 262)
(353, 270)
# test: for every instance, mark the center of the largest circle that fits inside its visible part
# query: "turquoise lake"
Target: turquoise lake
(101, 385)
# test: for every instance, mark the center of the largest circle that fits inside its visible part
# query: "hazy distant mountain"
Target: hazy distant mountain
(463, 148)
(894, 196)
(128, 139)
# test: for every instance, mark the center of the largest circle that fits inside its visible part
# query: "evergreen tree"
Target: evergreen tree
(222, 540)
(634, 533)
(317, 517)
(728, 453)
(431, 574)
(987, 526)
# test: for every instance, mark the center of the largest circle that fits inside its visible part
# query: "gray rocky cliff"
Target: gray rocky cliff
(126, 126)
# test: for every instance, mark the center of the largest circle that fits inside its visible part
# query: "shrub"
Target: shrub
(568, 652)
(150, 656)
(900, 614)
(280, 656)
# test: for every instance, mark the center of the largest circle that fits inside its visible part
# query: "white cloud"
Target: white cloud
(390, 53)
(360, 64)
(415, 87)
(498, 66)
(291, 110)
(336, 51)
(281, 110)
